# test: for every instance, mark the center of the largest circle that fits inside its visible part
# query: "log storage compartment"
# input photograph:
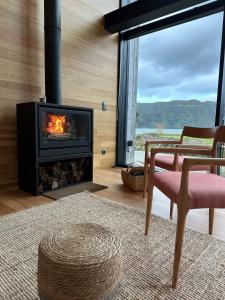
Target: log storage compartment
(54, 146)
(60, 174)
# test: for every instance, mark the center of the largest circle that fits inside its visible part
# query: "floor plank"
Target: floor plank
(13, 200)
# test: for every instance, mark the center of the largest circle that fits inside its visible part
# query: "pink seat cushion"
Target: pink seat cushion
(166, 162)
(206, 190)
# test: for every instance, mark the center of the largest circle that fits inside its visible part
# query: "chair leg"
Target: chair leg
(182, 214)
(211, 220)
(145, 179)
(148, 209)
(171, 209)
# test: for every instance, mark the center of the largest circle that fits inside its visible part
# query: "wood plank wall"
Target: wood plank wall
(89, 70)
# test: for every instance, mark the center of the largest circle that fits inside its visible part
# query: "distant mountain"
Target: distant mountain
(176, 114)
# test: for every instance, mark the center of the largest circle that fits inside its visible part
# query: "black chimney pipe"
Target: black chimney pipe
(52, 21)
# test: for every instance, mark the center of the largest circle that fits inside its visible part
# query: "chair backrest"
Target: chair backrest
(200, 133)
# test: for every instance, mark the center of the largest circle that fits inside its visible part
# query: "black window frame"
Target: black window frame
(125, 40)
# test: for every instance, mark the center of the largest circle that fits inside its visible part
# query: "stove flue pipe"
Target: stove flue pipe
(52, 26)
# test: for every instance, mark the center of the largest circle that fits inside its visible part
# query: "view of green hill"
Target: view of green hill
(176, 114)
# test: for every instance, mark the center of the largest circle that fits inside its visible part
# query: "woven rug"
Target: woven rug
(148, 260)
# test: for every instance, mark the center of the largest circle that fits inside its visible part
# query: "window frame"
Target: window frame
(128, 50)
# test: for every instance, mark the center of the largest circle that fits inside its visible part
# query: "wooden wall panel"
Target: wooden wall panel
(89, 70)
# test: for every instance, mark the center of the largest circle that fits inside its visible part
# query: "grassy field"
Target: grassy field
(141, 138)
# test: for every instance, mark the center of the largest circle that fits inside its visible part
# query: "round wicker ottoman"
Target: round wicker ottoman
(79, 261)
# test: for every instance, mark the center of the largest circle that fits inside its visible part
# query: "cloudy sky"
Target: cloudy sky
(181, 62)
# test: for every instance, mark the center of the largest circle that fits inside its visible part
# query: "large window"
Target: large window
(178, 70)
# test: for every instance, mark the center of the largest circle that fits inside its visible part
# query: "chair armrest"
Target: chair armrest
(162, 142)
(192, 161)
(187, 151)
(194, 146)
(155, 142)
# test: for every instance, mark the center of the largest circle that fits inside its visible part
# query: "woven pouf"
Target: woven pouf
(79, 261)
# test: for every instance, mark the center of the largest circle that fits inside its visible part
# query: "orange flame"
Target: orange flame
(56, 124)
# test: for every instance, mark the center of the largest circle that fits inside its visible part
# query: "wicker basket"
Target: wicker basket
(133, 178)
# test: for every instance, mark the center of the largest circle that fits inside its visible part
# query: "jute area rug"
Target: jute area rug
(148, 260)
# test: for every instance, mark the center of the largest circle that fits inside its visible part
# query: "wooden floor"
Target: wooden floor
(13, 200)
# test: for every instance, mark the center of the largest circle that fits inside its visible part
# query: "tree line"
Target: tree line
(176, 114)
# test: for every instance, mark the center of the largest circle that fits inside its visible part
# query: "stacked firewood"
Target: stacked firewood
(63, 173)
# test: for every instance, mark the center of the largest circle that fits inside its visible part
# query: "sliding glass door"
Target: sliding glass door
(178, 71)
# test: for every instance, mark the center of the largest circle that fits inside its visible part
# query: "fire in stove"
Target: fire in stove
(58, 126)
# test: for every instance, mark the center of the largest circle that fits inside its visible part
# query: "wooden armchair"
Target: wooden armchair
(174, 162)
(189, 190)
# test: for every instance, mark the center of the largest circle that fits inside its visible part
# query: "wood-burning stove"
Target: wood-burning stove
(54, 145)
